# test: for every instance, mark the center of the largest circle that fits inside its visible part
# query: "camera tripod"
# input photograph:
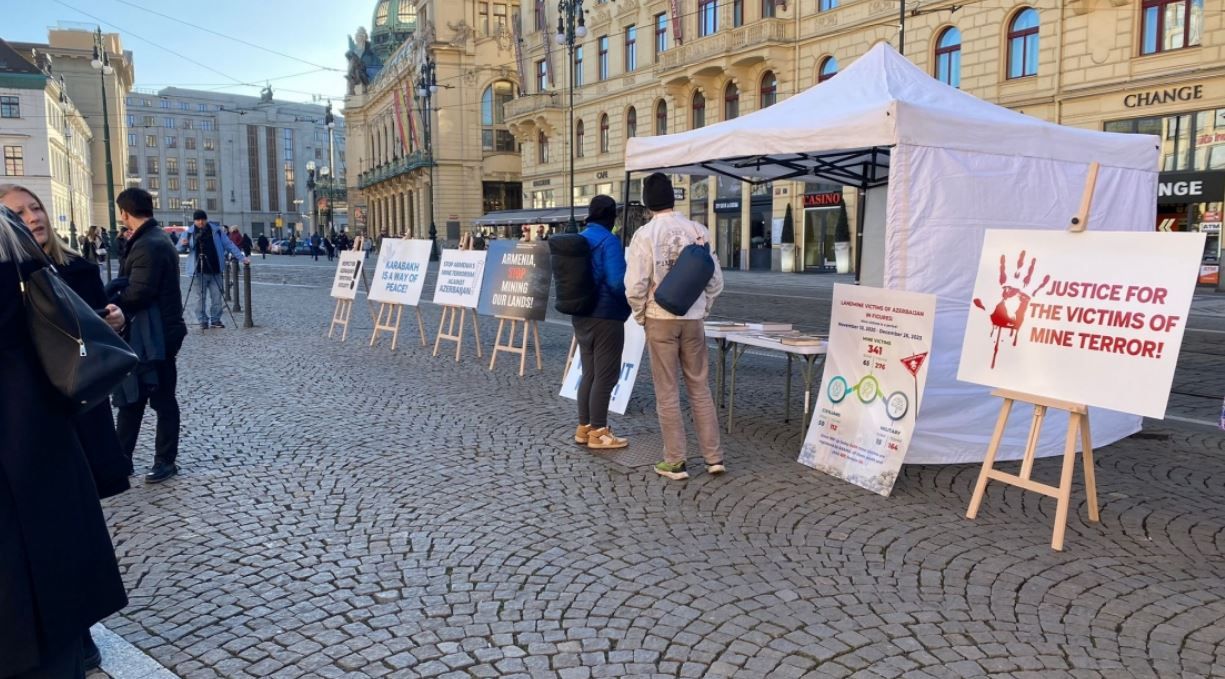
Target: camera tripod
(199, 255)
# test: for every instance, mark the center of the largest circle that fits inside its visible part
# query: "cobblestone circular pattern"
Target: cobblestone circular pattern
(346, 511)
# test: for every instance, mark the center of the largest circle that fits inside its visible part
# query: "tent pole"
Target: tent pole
(625, 209)
(860, 209)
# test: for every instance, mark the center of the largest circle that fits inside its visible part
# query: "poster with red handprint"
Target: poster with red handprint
(1094, 318)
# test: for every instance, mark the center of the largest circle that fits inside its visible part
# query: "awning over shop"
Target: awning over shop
(552, 215)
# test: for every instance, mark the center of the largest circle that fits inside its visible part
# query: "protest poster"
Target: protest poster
(399, 276)
(459, 278)
(348, 275)
(631, 361)
(879, 349)
(517, 279)
(1095, 318)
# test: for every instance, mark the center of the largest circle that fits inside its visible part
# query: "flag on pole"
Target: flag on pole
(412, 124)
(677, 33)
(400, 121)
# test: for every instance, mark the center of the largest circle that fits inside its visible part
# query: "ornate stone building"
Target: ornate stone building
(470, 154)
(654, 66)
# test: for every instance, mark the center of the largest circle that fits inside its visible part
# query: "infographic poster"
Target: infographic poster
(1094, 318)
(879, 349)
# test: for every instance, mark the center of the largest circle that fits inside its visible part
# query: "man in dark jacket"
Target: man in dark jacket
(152, 270)
(263, 246)
(601, 334)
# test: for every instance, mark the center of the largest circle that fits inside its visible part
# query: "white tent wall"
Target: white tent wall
(875, 216)
(940, 203)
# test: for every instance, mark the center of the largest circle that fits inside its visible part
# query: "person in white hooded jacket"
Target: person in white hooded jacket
(674, 341)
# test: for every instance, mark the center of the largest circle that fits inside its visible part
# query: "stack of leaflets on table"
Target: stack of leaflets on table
(770, 327)
(726, 325)
(803, 340)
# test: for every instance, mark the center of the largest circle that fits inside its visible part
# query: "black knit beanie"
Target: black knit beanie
(602, 211)
(657, 192)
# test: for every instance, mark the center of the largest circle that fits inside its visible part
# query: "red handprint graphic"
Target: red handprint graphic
(1009, 313)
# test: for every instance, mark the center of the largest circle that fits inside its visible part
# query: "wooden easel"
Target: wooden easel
(511, 348)
(1078, 424)
(340, 317)
(454, 318)
(383, 323)
(570, 356)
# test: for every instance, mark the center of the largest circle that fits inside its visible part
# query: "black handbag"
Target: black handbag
(83, 358)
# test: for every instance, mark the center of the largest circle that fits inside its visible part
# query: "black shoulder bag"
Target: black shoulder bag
(83, 358)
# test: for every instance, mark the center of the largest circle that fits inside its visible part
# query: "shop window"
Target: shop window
(1023, 44)
(948, 57)
(828, 69)
(661, 117)
(769, 89)
(1170, 24)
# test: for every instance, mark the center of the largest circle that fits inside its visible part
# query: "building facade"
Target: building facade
(654, 66)
(45, 140)
(448, 164)
(241, 159)
(71, 53)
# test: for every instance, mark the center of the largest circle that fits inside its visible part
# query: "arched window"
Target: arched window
(731, 101)
(699, 110)
(829, 69)
(631, 122)
(380, 14)
(661, 117)
(1023, 44)
(769, 89)
(604, 133)
(542, 147)
(580, 138)
(408, 12)
(494, 135)
(948, 57)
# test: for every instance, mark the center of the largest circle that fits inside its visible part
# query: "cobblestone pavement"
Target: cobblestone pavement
(349, 511)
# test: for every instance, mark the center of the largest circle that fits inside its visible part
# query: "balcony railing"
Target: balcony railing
(759, 34)
(413, 161)
(528, 104)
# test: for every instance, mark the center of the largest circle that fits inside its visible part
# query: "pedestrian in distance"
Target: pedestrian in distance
(152, 273)
(601, 332)
(674, 340)
(90, 244)
(95, 428)
(58, 571)
(293, 244)
(206, 247)
(330, 246)
(263, 246)
(246, 245)
(121, 245)
(316, 245)
(235, 237)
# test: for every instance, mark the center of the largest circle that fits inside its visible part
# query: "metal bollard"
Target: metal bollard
(237, 290)
(225, 281)
(246, 285)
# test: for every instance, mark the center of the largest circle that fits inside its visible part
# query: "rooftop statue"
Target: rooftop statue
(364, 64)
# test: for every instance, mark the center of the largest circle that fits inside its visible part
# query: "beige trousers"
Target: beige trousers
(678, 347)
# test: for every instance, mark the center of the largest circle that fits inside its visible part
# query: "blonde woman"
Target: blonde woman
(89, 244)
(57, 564)
(95, 428)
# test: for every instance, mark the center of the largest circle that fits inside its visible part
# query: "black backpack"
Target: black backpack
(687, 279)
(570, 255)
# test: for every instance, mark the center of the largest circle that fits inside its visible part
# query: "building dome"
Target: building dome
(393, 22)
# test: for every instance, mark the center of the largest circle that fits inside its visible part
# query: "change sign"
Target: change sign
(459, 278)
(517, 278)
(399, 276)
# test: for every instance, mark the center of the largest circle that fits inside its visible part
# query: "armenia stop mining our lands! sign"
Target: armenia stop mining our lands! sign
(399, 275)
(348, 275)
(459, 278)
(517, 279)
(1095, 318)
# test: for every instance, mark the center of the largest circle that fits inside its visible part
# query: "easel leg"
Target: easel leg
(536, 340)
(522, 347)
(737, 351)
(441, 322)
(1086, 443)
(420, 325)
(476, 333)
(1031, 445)
(980, 488)
(569, 356)
(1065, 483)
(395, 333)
(497, 342)
(459, 344)
(348, 314)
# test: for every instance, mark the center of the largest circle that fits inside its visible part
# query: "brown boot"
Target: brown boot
(603, 439)
(580, 434)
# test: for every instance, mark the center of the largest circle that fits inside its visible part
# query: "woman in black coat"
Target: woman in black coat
(58, 573)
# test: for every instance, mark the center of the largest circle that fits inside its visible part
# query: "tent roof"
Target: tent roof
(841, 130)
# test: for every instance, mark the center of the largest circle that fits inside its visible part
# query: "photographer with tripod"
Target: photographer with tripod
(206, 246)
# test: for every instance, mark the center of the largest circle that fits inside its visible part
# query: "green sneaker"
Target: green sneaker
(676, 472)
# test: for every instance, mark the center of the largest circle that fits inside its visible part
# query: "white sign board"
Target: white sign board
(459, 278)
(1094, 318)
(879, 350)
(631, 360)
(348, 275)
(399, 276)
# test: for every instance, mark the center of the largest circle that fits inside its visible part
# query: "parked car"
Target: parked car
(278, 247)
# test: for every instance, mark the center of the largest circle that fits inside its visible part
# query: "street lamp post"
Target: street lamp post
(310, 186)
(330, 121)
(427, 86)
(570, 29)
(325, 174)
(102, 64)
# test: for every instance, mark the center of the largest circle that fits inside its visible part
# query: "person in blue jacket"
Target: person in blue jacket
(206, 244)
(601, 334)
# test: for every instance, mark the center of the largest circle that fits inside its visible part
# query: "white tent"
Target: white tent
(939, 167)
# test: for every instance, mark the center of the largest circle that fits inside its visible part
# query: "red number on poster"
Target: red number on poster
(876, 349)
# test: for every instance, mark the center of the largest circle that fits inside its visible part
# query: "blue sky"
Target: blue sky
(311, 31)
